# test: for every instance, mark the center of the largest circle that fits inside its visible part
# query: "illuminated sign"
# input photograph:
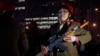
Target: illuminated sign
(42, 22)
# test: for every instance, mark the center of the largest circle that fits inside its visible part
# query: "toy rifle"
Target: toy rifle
(57, 42)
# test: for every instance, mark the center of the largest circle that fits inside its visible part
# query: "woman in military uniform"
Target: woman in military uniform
(78, 36)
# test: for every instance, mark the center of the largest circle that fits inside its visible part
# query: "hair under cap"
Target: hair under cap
(67, 6)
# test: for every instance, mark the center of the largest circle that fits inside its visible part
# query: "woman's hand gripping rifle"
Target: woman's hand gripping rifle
(70, 37)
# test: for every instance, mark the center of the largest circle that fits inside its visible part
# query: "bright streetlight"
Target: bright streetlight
(96, 9)
(94, 24)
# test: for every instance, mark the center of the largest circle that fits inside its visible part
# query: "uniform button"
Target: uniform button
(58, 36)
(57, 49)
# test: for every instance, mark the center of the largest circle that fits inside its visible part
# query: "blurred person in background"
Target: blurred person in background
(33, 38)
(13, 39)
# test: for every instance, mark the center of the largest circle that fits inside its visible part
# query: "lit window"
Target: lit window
(21, 1)
(71, 0)
(20, 8)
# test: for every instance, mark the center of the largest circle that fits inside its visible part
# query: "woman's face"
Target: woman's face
(63, 14)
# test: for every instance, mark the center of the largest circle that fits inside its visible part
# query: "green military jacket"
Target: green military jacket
(84, 37)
